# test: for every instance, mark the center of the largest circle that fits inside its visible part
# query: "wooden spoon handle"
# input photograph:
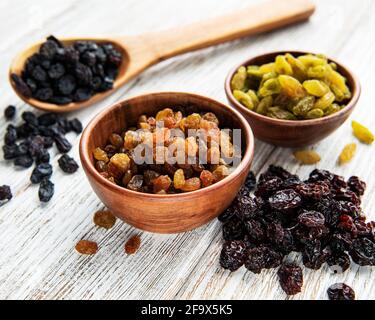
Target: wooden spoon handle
(255, 19)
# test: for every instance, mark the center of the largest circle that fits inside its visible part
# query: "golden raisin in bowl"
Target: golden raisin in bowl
(292, 87)
(172, 151)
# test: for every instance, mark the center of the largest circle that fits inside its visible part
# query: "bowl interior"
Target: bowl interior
(352, 83)
(125, 114)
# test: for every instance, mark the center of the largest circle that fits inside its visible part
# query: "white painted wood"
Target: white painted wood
(37, 256)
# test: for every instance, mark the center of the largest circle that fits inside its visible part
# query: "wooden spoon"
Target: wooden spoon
(145, 50)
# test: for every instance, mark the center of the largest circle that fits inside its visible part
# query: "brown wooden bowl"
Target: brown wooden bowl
(287, 133)
(171, 213)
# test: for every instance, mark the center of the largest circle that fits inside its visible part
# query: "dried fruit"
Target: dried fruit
(5, 193)
(340, 291)
(362, 133)
(46, 190)
(347, 153)
(285, 200)
(9, 112)
(68, 164)
(62, 74)
(132, 245)
(104, 219)
(262, 257)
(307, 156)
(290, 88)
(87, 247)
(41, 171)
(291, 278)
(233, 255)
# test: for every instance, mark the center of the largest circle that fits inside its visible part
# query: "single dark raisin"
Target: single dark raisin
(291, 278)
(42, 156)
(48, 49)
(39, 74)
(9, 112)
(21, 86)
(41, 171)
(44, 94)
(363, 252)
(285, 200)
(313, 255)
(255, 230)
(30, 118)
(82, 94)
(76, 125)
(262, 257)
(314, 191)
(10, 152)
(234, 230)
(56, 71)
(356, 185)
(340, 291)
(339, 263)
(233, 255)
(267, 187)
(250, 181)
(11, 135)
(68, 164)
(62, 144)
(5, 193)
(46, 190)
(66, 84)
(311, 219)
(24, 161)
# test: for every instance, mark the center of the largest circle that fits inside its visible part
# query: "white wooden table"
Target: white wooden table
(37, 256)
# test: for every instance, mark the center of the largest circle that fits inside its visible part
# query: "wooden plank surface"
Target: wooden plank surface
(37, 257)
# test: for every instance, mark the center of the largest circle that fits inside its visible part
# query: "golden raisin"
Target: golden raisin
(347, 153)
(116, 140)
(104, 219)
(207, 178)
(191, 184)
(161, 183)
(362, 133)
(121, 161)
(100, 155)
(220, 172)
(179, 179)
(87, 247)
(307, 156)
(132, 245)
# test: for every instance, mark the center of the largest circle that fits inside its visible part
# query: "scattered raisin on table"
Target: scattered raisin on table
(104, 219)
(5, 193)
(46, 190)
(68, 164)
(41, 171)
(132, 245)
(233, 255)
(10, 112)
(340, 291)
(87, 247)
(291, 278)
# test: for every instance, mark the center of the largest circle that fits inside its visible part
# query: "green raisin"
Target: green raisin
(299, 69)
(291, 87)
(282, 66)
(314, 114)
(270, 87)
(316, 88)
(304, 106)
(264, 105)
(278, 113)
(325, 101)
(244, 99)
(333, 108)
(239, 79)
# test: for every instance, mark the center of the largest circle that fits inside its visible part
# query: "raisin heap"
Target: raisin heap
(320, 218)
(170, 130)
(61, 74)
(28, 144)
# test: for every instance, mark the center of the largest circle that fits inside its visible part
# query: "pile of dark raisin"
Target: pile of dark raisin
(320, 217)
(28, 144)
(62, 74)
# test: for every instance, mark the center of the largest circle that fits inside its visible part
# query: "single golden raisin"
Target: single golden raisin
(325, 101)
(270, 87)
(104, 219)
(220, 172)
(264, 105)
(316, 88)
(307, 156)
(161, 183)
(132, 245)
(279, 113)
(362, 133)
(121, 161)
(179, 179)
(191, 184)
(244, 99)
(291, 87)
(314, 114)
(211, 117)
(191, 146)
(207, 178)
(167, 117)
(282, 66)
(193, 121)
(127, 177)
(213, 155)
(87, 247)
(101, 166)
(100, 155)
(347, 153)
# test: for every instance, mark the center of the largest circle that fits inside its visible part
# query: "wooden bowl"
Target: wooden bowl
(172, 213)
(287, 133)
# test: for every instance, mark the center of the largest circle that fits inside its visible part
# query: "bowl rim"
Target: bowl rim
(356, 92)
(90, 169)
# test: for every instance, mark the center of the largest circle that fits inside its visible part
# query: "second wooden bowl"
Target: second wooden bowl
(164, 213)
(288, 133)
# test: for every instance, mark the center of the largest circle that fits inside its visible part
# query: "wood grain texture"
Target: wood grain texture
(37, 257)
